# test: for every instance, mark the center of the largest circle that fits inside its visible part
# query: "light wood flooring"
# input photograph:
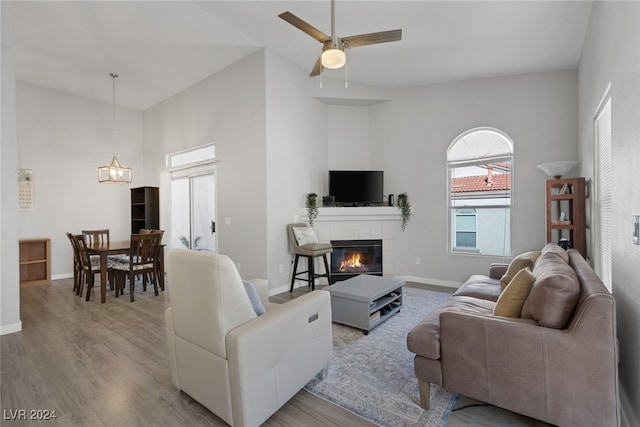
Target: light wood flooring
(107, 365)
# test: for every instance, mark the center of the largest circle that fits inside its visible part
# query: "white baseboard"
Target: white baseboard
(627, 417)
(278, 290)
(61, 276)
(10, 329)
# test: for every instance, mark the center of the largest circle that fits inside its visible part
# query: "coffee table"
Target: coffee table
(365, 301)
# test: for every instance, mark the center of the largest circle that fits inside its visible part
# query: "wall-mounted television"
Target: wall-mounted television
(350, 187)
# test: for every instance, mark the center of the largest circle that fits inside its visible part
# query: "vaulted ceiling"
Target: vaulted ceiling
(162, 47)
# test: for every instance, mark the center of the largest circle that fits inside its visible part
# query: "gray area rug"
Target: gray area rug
(372, 375)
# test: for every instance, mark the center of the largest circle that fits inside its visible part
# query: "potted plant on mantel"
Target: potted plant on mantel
(312, 207)
(405, 209)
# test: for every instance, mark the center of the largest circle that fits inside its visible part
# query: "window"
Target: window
(480, 166)
(192, 156)
(465, 228)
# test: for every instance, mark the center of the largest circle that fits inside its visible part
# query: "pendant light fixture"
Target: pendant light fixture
(114, 173)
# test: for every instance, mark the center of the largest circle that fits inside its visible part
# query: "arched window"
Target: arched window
(480, 168)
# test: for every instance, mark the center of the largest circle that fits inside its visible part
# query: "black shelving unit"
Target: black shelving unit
(145, 208)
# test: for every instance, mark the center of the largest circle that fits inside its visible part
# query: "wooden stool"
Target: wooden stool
(309, 249)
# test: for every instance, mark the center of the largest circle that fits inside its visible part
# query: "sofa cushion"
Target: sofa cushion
(554, 294)
(555, 249)
(512, 299)
(424, 338)
(480, 286)
(524, 260)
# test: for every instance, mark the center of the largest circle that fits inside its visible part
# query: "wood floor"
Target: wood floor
(107, 365)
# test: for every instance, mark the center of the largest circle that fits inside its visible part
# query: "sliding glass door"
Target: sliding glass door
(193, 211)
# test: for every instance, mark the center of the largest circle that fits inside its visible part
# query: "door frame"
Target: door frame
(189, 170)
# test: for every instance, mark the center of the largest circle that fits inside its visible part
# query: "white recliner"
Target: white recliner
(240, 366)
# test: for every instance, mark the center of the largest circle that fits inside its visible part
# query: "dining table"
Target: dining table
(104, 249)
(120, 247)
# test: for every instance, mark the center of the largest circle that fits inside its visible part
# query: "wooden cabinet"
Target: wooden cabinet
(35, 261)
(566, 216)
(145, 208)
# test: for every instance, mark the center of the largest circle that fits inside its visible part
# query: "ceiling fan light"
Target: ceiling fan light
(333, 58)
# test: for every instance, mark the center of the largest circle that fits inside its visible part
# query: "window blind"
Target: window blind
(604, 188)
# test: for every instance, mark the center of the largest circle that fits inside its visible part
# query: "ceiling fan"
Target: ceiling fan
(333, 47)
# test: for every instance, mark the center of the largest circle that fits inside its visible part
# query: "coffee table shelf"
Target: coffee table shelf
(365, 301)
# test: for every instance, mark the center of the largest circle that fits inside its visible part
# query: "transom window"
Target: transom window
(192, 156)
(480, 167)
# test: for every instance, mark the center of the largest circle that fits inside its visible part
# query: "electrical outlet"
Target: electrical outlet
(227, 220)
(281, 268)
(418, 260)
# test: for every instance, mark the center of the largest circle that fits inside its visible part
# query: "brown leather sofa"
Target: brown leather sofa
(556, 361)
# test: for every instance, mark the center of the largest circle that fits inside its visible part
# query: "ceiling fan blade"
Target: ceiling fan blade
(371, 38)
(317, 68)
(305, 27)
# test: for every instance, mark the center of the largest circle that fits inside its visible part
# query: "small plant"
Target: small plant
(187, 243)
(312, 207)
(405, 209)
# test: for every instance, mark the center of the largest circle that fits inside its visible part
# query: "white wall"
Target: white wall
(411, 133)
(64, 139)
(349, 138)
(296, 157)
(227, 108)
(9, 272)
(611, 54)
(271, 142)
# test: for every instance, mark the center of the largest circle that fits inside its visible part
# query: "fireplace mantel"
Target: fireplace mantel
(360, 223)
(381, 213)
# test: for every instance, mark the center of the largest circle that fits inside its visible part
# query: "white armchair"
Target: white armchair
(240, 366)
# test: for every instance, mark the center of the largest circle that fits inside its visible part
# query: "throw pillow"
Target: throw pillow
(552, 248)
(524, 260)
(305, 235)
(554, 295)
(512, 299)
(254, 298)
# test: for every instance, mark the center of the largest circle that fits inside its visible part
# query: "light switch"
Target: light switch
(636, 229)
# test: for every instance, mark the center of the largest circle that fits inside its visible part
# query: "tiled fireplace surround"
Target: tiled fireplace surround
(359, 223)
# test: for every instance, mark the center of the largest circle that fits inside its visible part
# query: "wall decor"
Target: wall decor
(25, 189)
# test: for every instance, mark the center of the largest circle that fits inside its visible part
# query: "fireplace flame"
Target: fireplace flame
(352, 264)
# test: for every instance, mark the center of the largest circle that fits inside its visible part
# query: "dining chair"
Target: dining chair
(159, 258)
(93, 237)
(96, 236)
(142, 261)
(151, 230)
(90, 267)
(77, 264)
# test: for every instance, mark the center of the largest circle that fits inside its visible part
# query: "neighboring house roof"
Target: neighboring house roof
(469, 184)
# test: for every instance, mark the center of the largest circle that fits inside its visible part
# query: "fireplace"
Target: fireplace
(353, 257)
